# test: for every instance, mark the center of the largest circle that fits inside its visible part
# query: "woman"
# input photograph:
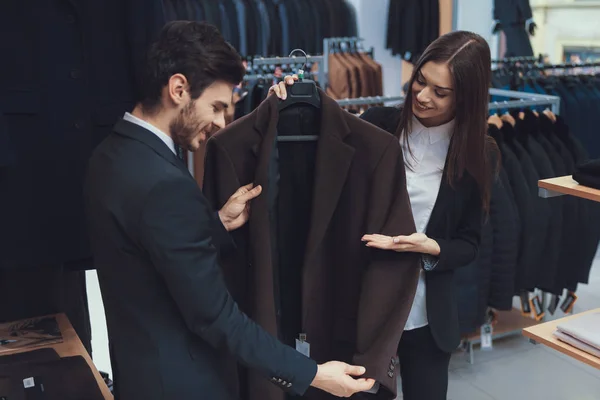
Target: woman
(449, 170)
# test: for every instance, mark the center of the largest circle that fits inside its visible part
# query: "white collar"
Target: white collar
(161, 135)
(434, 133)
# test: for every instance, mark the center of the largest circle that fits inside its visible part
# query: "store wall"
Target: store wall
(477, 16)
(565, 23)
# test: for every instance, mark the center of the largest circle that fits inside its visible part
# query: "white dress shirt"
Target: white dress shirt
(425, 166)
(161, 135)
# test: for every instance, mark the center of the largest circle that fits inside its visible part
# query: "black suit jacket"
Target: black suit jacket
(62, 88)
(353, 303)
(455, 223)
(171, 320)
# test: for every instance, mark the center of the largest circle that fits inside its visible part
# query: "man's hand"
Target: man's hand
(236, 211)
(337, 378)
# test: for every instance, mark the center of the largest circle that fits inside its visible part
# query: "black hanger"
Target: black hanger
(301, 92)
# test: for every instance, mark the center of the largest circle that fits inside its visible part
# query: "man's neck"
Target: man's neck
(158, 120)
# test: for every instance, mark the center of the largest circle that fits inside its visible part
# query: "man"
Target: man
(170, 317)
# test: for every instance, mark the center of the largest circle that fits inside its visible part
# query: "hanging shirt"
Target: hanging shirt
(426, 159)
(161, 135)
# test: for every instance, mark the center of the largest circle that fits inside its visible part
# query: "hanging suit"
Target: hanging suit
(67, 75)
(353, 302)
(512, 16)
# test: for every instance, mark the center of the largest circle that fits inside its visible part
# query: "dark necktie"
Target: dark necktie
(179, 152)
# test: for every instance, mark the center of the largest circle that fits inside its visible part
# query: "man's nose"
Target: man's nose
(219, 121)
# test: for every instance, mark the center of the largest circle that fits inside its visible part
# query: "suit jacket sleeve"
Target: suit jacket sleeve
(390, 280)
(176, 230)
(461, 247)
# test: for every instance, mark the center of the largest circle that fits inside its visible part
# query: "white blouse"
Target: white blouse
(429, 148)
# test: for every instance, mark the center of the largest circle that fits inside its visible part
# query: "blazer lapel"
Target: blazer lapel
(148, 138)
(440, 207)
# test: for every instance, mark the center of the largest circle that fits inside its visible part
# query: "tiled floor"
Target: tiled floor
(518, 370)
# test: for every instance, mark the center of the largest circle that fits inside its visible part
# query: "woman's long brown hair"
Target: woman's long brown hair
(471, 150)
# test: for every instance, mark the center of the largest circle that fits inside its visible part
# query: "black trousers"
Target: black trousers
(423, 366)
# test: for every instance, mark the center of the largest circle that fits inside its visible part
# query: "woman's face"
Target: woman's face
(433, 95)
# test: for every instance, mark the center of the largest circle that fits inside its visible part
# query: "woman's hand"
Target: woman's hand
(415, 243)
(280, 89)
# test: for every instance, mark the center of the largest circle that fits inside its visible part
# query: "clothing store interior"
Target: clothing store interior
(366, 245)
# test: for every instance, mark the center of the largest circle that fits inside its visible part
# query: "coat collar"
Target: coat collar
(143, 135)
(333, 161)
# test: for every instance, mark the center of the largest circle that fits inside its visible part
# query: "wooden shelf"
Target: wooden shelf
(69, 347)
(508, 322)
(543, 333)
(566, 185)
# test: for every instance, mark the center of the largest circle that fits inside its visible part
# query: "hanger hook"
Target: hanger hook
(304, 54)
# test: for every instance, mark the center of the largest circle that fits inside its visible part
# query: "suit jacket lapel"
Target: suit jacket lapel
(148, 138)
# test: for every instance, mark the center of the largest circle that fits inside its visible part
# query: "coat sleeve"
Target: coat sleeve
(176, 231)
(461, 247)
(390, 281)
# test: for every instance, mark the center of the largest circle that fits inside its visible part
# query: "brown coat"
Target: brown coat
(355, 301)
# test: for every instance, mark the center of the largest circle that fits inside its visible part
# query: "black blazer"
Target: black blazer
(171, 320)
(455, 223)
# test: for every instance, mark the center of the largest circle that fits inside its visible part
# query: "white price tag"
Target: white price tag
(28, 383)
(303, 347)
(486, 337)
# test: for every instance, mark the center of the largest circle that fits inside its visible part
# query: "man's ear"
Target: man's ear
(177, 89)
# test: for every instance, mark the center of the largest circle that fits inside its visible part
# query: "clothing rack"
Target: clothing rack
(512, 323)
(286, 60)
(252, 77)
(512, 60)
(363, 101)
(524, 100)
(567, 66)
(328, 45)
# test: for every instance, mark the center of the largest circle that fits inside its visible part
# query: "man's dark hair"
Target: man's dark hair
(195, 49)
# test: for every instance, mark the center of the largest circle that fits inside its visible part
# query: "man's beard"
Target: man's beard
(186, 126)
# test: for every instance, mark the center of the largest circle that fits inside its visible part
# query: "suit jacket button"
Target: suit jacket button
(390, 374)
(289, 384)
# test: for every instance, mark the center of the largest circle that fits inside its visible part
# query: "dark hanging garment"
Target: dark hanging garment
(530, 234)
(512, 15)
(504, 222)
(548, 266)
(345, 202)
(541, 206)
